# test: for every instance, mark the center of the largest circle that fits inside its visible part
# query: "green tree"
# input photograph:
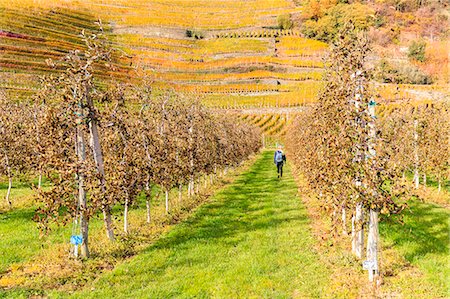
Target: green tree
(285, 22)
(334, 19)
(416, 51)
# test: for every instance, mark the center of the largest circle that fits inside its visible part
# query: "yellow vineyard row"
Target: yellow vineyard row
(253, 75)
(164, 64)
(185, 14)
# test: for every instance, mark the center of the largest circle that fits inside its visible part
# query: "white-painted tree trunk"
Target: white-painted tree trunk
(167, 201)
(358, 231)
(197, 189)
(190, 187)
(416, 155)
(344, 222)
(9, 172)
(40, 180)
(424, 179)
(439, 184)
(82, 202)
(148, 190)
(8, 193)
(372, 244)
(125, 216)
(38, 139)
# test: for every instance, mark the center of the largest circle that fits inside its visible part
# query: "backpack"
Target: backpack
(279, 156)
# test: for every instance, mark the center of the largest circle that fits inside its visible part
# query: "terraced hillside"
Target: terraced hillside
(229, 54)
(30, 37)
(235, 57)
(271, 124)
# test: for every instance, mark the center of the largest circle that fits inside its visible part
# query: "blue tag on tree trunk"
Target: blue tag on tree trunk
(76, 240)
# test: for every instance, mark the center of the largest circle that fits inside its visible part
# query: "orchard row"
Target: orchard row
(355, 162)
(100, 148)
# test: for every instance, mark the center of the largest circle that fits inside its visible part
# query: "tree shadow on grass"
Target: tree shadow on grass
(15, 215)
(252, 203)
(426, 230)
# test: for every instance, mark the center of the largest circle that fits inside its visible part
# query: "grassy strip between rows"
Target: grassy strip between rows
(31, 265)
(414, 260)
(423, 242)
(252, 241)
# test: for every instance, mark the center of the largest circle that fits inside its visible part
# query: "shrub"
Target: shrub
(285, 22)
(326, 27)
(194, 34)
(401, 74)
(416, 50)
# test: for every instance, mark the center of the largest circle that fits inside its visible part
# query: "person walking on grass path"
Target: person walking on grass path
(279, 158)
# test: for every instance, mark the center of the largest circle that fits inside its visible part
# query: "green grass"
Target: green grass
(21, 243)
(253, 240)
(19, 192)
(21, 240)
(424, 242)
(432, 181)
(19, 235)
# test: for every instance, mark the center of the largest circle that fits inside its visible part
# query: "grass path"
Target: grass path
(423, 240)
(252, 241)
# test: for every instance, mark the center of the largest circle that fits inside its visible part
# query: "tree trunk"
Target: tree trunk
(416, 155)
(167, 202)
(8, 193)
(189, 188)
(372, 245)
(98, 158)
(197, 186)
(180, 190)
(107, 219)
(82, 203)
(125, 216)
(8, 170)
(425, 180)
(191, 158)
(358, 231)
(416, 178)
(439, 184)
(344, 222)
(40, 180)
(148, 190)
(38, 139)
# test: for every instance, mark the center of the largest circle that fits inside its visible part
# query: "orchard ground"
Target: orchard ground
(254, 238)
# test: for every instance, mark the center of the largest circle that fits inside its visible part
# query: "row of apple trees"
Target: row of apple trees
(100, 149)
(356, 162)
